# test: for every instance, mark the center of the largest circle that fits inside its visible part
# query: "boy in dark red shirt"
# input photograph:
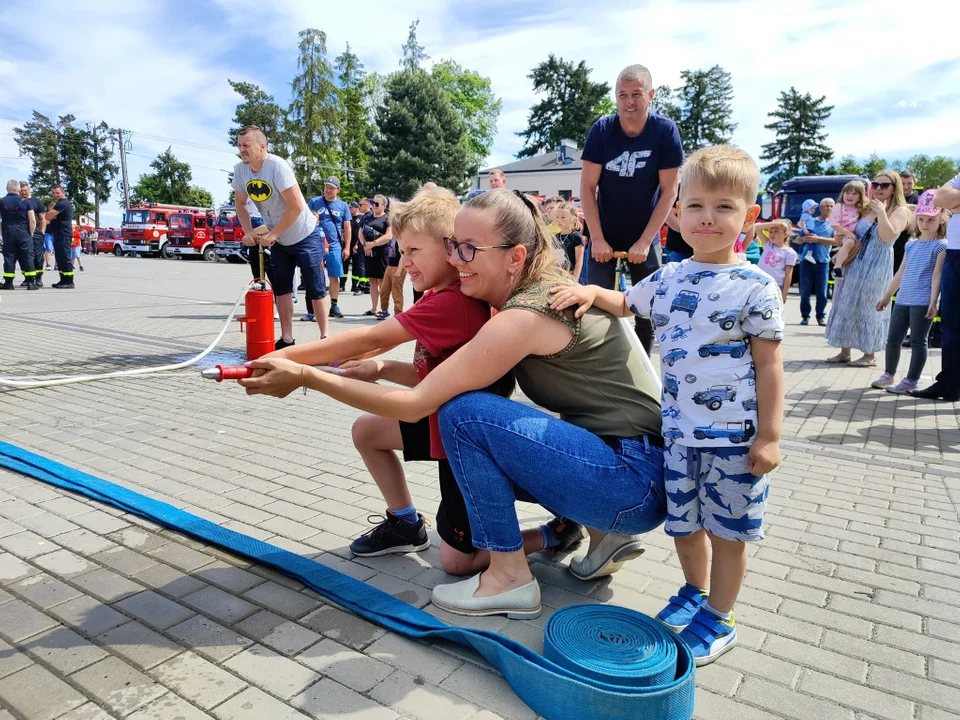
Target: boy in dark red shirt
(441, 322)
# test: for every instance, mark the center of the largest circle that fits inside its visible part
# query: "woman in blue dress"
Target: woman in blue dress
(854, 319)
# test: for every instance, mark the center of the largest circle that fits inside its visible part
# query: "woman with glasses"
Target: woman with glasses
(376, 236)
(854, 319)
(600, 463)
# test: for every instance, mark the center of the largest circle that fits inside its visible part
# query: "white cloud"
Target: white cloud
(160, 69)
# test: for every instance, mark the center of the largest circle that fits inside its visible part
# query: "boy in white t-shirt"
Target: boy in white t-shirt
(777, 259)
(719, 321)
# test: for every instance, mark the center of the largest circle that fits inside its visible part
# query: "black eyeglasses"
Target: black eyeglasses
(881, 185)
(468, 251)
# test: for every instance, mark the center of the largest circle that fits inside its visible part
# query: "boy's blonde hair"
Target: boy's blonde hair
(430, 212)
(723, 166)
(857, 186)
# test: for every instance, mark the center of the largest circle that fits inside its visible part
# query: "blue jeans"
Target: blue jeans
(949, 377)
(814, 279)
(914, 319)
(307, 255)
(502, 451)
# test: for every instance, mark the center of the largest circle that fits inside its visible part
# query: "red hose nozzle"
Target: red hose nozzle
(221, 373)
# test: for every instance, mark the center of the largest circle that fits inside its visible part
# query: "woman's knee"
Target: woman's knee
(455, 562)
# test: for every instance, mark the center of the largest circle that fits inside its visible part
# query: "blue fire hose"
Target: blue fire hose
(600, 662)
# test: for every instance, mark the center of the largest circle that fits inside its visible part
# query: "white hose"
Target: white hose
(634, 341)
(29, 382)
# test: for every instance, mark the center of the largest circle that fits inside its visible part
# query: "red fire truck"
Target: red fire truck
(190, 234)
(229, 235)
(145, 227)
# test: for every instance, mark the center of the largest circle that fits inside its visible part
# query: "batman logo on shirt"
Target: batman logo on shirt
(259, 190)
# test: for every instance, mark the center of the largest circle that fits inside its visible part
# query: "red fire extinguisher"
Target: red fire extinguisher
(258, 315)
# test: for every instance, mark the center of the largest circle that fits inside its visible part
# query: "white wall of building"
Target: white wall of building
(543, 182)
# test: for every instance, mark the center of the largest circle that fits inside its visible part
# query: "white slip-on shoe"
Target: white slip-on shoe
(607, 557)
(521, 603)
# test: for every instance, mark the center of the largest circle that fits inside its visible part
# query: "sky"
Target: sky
(160, 69)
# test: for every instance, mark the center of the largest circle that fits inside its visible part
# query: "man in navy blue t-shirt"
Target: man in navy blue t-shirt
(631, 164)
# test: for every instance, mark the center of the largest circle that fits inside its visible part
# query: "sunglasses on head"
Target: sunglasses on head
(467, 251)
(881, 185)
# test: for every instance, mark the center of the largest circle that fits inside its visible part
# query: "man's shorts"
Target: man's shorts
(306, 254)
(453, 525)
(75, 252)
(334, 261)
(47, 242)
(712, 488)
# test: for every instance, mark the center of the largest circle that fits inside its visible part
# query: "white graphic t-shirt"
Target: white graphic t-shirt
(704, 316)
(265, 188)
(774, 261)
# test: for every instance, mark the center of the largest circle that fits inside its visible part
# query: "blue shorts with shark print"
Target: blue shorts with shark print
(712, 488)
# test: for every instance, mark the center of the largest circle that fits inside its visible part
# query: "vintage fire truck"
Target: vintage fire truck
(190, 234)
(145, 227)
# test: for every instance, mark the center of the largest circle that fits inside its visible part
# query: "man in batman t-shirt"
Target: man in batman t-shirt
(292, 233)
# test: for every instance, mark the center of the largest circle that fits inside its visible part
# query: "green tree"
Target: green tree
(200, 197)
(413, 55)
(170, 182)
(572, 104)
(704, 105)
(472, 97)
(848, 165)
(664, 102)
(312, 122)
(932, 173)
(259, 109)
(102, 169)
(79, 158)
(875, 164)
(800, 146)
(420, 137)
(356, 129)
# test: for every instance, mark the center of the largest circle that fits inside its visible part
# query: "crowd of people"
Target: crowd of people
(32, 233)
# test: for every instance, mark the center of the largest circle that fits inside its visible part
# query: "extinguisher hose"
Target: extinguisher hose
(29, 383)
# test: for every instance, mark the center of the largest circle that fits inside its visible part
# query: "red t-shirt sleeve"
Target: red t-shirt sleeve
(444, 320)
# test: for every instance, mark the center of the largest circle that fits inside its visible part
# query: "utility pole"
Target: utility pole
(123, 165)
(93, 130)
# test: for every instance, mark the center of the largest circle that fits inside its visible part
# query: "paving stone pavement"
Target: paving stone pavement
(848, 610)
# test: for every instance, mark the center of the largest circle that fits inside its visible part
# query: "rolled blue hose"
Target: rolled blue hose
(600, 662)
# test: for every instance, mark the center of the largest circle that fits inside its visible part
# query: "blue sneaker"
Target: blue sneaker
(709, 636)
(308, 317)
(383, 315)
(682, 607)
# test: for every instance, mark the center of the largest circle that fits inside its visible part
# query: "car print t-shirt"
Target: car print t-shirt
(704, 316)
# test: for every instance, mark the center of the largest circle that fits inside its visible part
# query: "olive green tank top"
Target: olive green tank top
(598, 381)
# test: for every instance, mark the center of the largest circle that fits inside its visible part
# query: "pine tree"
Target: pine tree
(704, 102)
(664, 103)
(312, 123)
(800, 147)
(356, 129)
(261, 110)
(571, 106)
(413, 52)
(472, 97)
(875, 165)
(78, 158)
(419, 137)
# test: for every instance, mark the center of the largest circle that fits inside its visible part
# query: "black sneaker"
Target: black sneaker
(822, 322)
(391, 536)
(335, 311)
(569, 533)
(281, 344)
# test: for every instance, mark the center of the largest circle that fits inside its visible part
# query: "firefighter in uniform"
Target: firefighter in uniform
(60, 219)
(17, 222)
(39, 211)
